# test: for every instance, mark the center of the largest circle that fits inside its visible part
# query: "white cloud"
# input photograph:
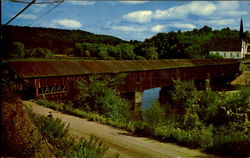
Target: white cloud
(68, 23)
(199, 8)
(139, 16)
(157, 28)
(129, 28)
(224, 22)
(181, 25)
(27, 16)
(228, 5)
(133, 2)
(82, 2)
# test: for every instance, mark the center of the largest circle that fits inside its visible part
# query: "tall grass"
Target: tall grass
(64, 145)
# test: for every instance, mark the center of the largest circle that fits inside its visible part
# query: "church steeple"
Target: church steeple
(241, 29)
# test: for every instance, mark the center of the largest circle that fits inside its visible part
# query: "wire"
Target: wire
(28, 1)
(39, 18)
(21, 12)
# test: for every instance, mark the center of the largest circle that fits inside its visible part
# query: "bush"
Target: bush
(155, 114)
(216, 122)
(97, 95)
(232, 140)
(18, 49)
(214, 56)
(140, 58)
(39, 52)
(91, 148)
(64, 145)
(57, 134)
(184, 96)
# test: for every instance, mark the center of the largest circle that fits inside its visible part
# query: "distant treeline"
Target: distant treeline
(44, 42)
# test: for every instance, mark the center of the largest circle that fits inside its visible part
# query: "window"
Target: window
(238, 54)
(231, 54)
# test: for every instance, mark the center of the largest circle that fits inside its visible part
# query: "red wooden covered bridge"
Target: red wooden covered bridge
(56, 79)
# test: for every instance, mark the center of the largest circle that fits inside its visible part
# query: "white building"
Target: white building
(230, 48)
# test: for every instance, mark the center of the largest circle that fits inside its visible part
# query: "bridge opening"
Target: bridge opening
(149, 96)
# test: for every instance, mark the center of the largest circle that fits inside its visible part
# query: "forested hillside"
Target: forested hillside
(44, 42)
(57, 40)
(189, 44)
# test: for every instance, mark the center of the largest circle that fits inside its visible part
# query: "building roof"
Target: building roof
(224, 44)
(32, 69)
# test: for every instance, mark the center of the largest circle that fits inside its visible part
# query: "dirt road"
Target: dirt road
(119, 141)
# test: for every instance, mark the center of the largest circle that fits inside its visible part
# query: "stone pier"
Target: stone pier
(135, 99)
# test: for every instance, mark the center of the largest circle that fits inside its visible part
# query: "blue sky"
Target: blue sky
(131, 20)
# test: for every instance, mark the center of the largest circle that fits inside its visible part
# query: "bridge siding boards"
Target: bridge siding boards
(141, 74)
(154, 78)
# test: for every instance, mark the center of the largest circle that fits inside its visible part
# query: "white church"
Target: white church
(237, 48)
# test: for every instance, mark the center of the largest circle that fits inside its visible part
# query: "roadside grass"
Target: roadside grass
(90, 116)
(64, 145)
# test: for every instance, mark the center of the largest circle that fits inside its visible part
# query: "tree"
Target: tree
(18, 49)
(205, 29)
(39, 52)
(150, 52)
(99, 95)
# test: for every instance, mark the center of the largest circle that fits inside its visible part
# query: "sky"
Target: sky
(130, 20)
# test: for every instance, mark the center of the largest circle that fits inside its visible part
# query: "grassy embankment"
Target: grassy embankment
(26, 134)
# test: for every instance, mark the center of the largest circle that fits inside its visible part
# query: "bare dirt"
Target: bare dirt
(119, 141)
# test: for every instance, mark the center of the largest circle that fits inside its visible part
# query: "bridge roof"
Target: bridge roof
(34, 69)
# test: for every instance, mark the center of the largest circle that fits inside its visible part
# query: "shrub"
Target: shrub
(18, 49)
(91, 148)
(57, 134)
(184, 96)
(140, 58)
(64, 145)
(232, 140)
(155, 114)
(97, 95)
(214, 56)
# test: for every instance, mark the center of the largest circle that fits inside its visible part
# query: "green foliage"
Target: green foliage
(140, 58)
(233, 140)
(155, 114)
(39, 52)
(214, 56)
(56, 40)
(18, 49)
(104, 51)
(50, 104)
(216, 122)
(99, 95)
(64, 145)
(184, 96)
(56, 133)
(189, 44)
(91, 148)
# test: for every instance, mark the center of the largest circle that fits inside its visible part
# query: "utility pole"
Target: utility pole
(1, 76)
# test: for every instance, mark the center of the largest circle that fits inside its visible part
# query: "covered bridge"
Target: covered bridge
(56, 79)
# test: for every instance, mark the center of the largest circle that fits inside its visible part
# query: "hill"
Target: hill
(56, 40)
